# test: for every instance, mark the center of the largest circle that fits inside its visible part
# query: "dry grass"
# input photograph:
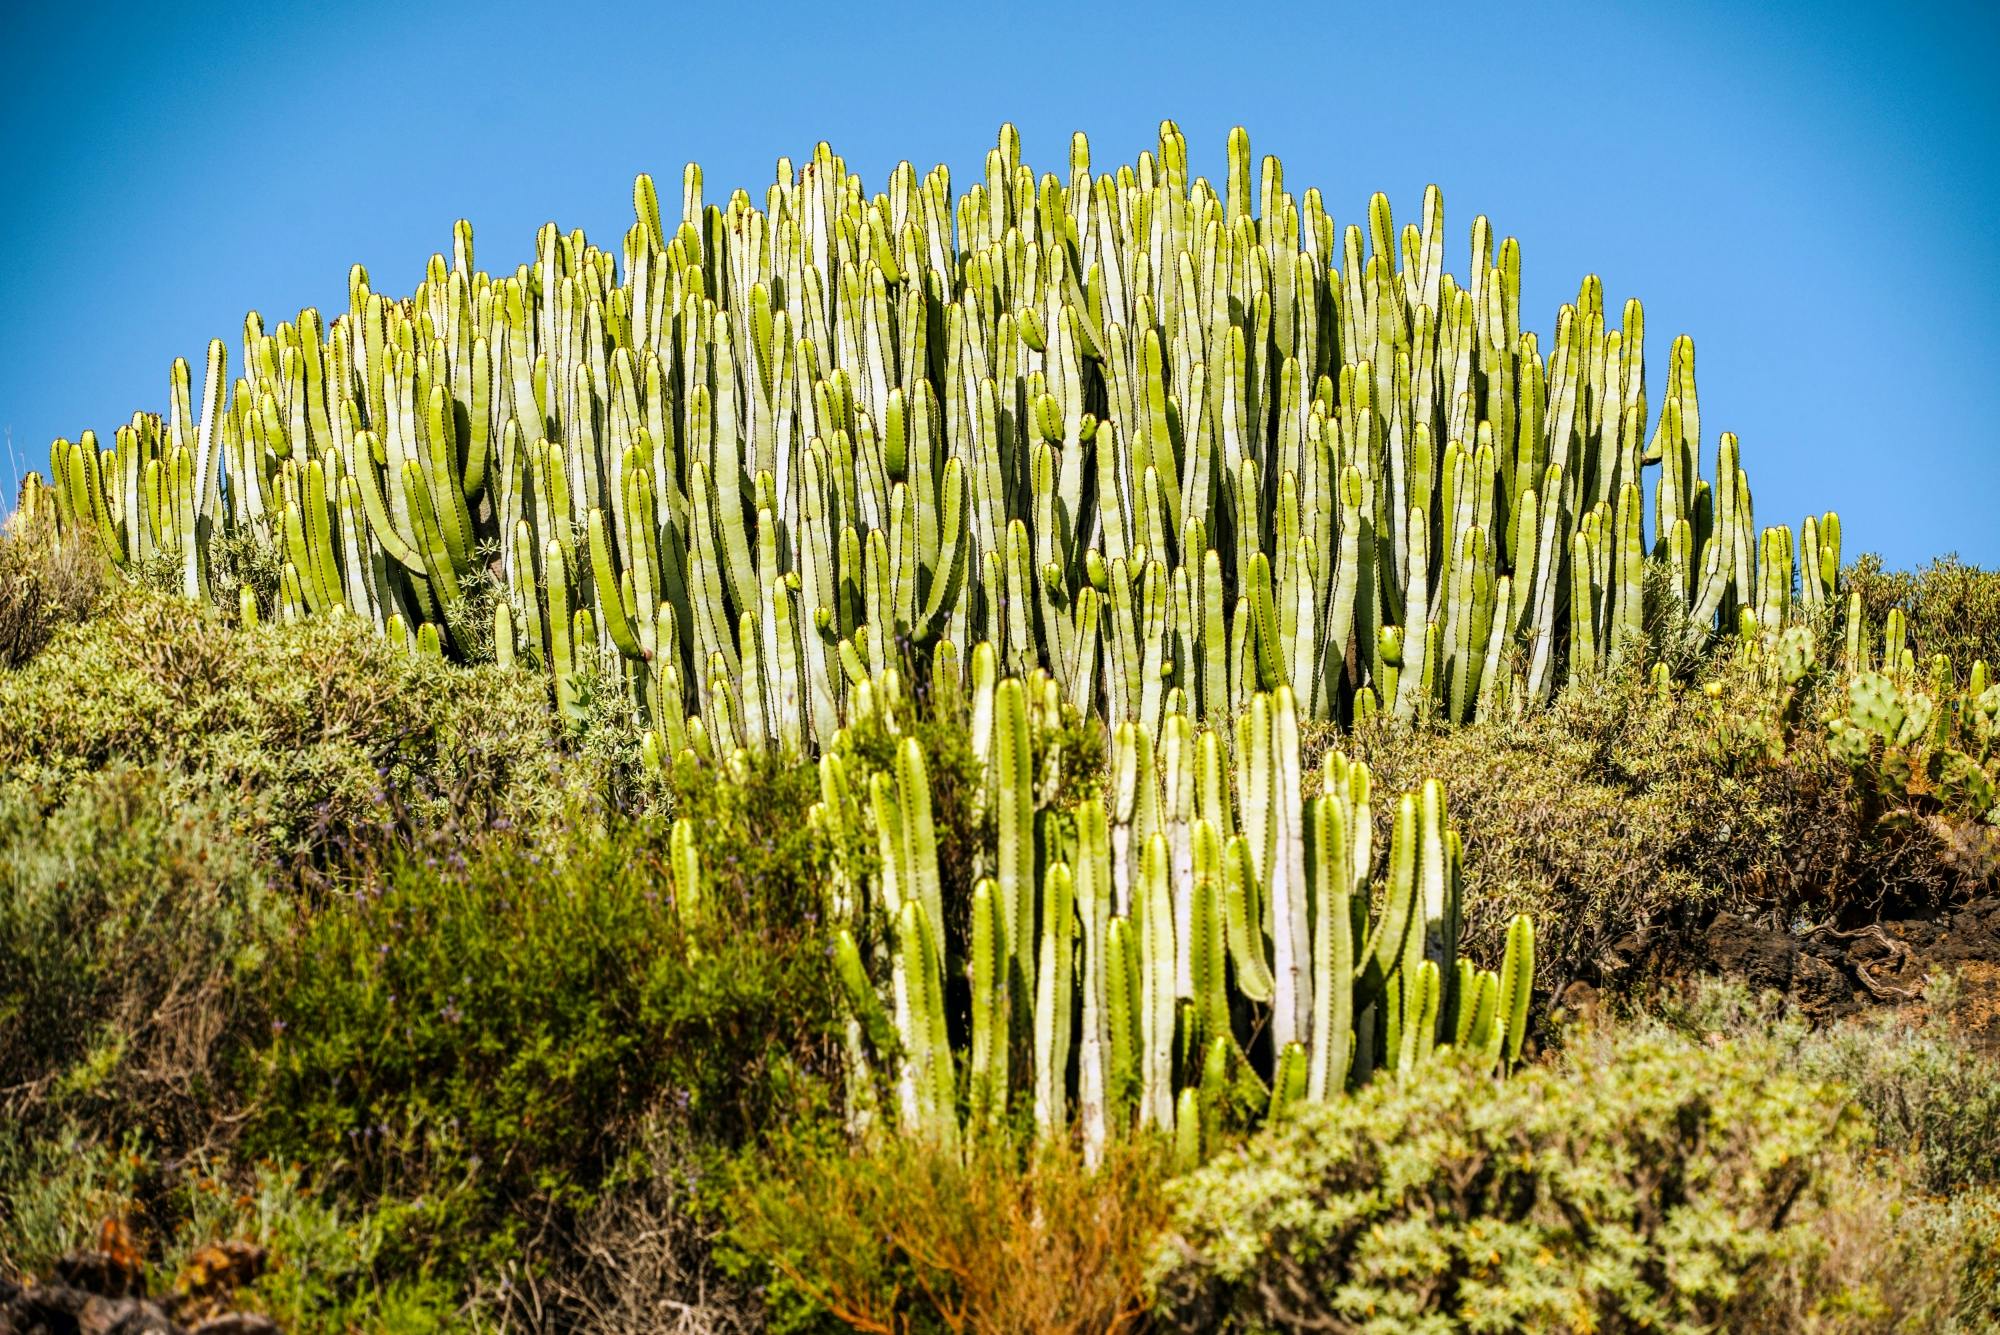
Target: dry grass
(907, 1237)
(640, 1262)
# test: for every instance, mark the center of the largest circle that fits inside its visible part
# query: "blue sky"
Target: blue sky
(1805, 189)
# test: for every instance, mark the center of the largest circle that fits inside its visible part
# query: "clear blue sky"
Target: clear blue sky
(1808, 190)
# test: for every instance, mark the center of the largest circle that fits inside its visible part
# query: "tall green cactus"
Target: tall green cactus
(1147, 992)
(1143, 433)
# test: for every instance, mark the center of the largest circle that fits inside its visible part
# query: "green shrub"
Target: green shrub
(1928, 1095)
(1884, 1257)
(1952, 608)
(135, 927)
(324, 1269)
(336, 743)
(1649, 1182)
(1618, 813)
(902, 1236)
(482, 1036)
(56, 1187)
(137, 934)
(329, 1269)
(1910, 1237)
(1623, 816)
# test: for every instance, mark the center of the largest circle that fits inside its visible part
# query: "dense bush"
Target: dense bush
(138, 930)
(1715, 1168)
(135, 926)
(1618, 811)
(1927, 1093)
(1928, 1096)
(482, 1037)
(487, 1071)
(1952, 608)
(489, 987)
(1650, 1180)
(1911, 1240)
(43, 585)
(326, 1266)
(334, 742)
(1625, 815)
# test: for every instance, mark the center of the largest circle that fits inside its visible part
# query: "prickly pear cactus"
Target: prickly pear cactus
(1922, 750)
(1877, 707)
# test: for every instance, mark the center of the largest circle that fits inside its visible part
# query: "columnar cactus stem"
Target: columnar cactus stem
(1014, 810)
(1156, 983)
(1333, 948)
(990, 1011)
(1516, 985)
(1053, 1000)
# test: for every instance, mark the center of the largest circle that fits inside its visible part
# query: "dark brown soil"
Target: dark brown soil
(1829, 972)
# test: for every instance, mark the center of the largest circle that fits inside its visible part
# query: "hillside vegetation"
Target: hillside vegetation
(465, 1062)
(1096, 754)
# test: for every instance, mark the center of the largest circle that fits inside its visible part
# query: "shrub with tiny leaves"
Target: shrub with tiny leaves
(1643, 1183)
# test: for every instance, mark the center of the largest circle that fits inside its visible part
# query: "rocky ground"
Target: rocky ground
(1824, 972)
(103, 1292)
(1829, 973)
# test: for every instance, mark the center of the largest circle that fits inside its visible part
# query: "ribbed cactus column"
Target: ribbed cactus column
(1166, 441)
(1290, 957)
(1014, 812)
(1093, 902)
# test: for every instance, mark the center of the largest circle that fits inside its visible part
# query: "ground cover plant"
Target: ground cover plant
(1094, 754)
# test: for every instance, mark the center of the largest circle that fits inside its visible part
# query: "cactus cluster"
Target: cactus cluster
(1917, 743)
(1212, 939)
(1140, 432)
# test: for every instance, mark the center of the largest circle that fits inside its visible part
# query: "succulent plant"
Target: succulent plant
(1168, 921)
(1146, 434)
